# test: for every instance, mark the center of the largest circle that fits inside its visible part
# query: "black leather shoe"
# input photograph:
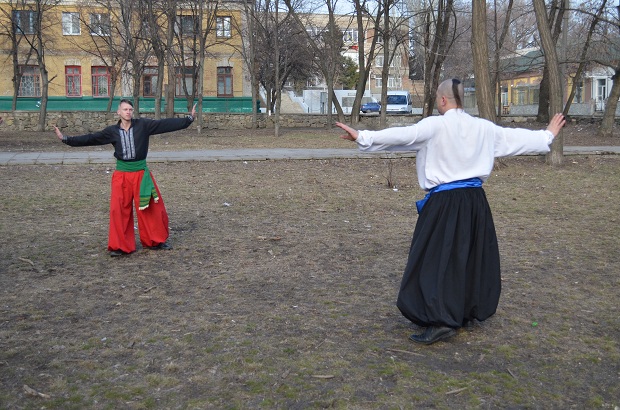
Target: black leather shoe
(433, 334)
(115, 254)
(164, 246)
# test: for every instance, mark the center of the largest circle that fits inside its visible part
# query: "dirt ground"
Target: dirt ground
(280, 290)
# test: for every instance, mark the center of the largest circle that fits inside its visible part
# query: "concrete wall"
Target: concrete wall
(89, 121)
(78, 122)
(585, 109)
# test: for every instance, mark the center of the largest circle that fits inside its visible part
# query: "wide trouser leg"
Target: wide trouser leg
(152, 221)
(121, 235)
(453, 272)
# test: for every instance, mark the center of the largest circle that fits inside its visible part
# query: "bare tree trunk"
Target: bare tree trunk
(201, 69)
(112, 89)
(44, 98)
(170, 91)
(385, 70)
(17, 77)
(554, 26)
(364, 60)
(556, 156)
(251, 15)
(277, 74)
(499, 43)
(543, 97)
(609, 116)
(479, 47)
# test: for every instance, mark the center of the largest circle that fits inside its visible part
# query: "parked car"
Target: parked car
(398, 102)
(372, 106)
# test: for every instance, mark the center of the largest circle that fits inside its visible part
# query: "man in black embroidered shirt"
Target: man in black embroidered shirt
(132, 182)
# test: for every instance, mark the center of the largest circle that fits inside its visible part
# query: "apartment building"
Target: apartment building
(95, 48)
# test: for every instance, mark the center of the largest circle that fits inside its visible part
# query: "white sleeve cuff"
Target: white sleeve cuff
(550, 137)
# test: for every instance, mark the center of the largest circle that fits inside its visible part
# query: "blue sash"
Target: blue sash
(464, 183)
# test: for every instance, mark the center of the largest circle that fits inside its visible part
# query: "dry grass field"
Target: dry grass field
(280, 290)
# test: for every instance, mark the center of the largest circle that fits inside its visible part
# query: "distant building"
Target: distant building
(80, 61)
(521, 75)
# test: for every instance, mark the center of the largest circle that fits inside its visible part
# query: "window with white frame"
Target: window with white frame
(100, 24)
(379, 59)
(25, 21)
(394, 82)
(71, 24)
(349, 36)
(222, 27)
(30, 83)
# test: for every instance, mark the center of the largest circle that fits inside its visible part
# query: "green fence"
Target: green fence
(209, 104)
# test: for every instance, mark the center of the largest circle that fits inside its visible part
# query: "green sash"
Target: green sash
(147, 187)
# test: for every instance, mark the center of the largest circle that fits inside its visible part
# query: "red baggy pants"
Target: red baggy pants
(152, 221)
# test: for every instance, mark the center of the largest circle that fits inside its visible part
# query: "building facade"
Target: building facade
(93, 49)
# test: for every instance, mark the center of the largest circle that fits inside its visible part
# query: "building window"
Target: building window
(184, 77)
(25, 21)
(101, 81)
(379, 59)
(579, 93)
(73, 81)
(149, 82)
(30, 84)
(100, 24)
(394, 83)
(187, 25)
(222, 27)
(224, 82)
(71, 24)
(349, 36)
(525, 95)
(378, 82)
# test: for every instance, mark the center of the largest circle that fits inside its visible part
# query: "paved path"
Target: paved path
(80, 156)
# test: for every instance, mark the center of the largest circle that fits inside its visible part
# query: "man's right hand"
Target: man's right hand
(556, 124)
(351, 134)
(58, 133)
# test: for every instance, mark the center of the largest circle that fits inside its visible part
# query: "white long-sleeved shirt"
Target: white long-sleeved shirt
(455, 145)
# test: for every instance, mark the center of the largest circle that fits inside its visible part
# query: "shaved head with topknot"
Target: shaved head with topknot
(450, 94)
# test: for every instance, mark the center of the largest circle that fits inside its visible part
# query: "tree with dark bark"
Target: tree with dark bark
(479, 46)
(555, 18)
(556, 156)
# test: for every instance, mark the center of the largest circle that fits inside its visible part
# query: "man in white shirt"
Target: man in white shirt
(453, 275)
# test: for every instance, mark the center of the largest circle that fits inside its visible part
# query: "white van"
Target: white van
(398, 102)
